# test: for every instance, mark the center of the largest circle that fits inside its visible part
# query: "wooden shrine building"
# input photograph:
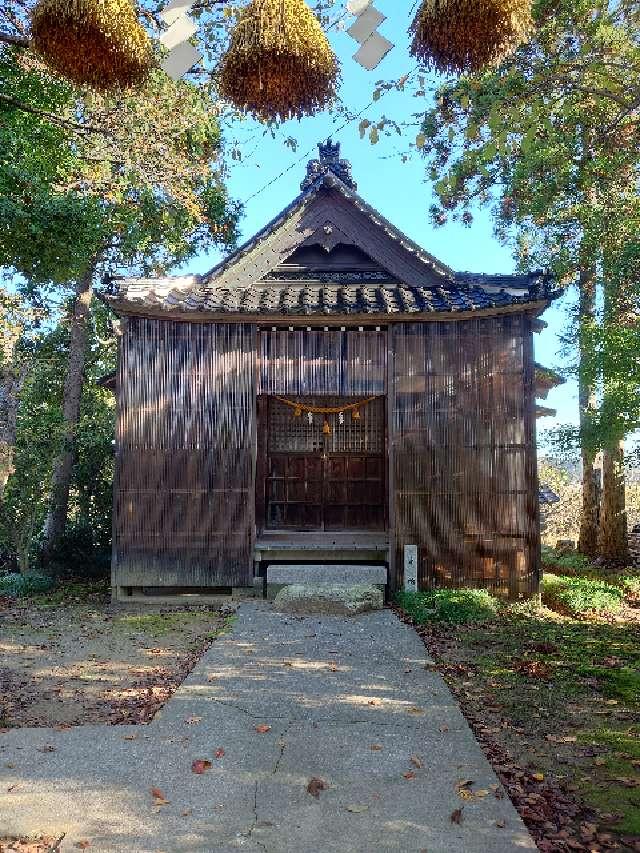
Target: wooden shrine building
(330, 392)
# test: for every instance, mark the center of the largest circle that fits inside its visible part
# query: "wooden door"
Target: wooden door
(313, 481)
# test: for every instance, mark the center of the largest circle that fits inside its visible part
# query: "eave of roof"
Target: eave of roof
(546, 379)
(385, 304)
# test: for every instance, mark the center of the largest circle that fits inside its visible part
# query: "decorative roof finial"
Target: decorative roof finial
(329, 162)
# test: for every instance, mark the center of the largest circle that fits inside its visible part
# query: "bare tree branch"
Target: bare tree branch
(63, 122)
(16, 41)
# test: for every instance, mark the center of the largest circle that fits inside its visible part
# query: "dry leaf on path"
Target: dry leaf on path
(456, 816)
(375, 747)
(219, 753)
(82, 845)
(200, 765)
(416, 761)
(357, 809)
(415, 710)
(193, 721)
(263, 728)
(315, 786)
(159, 798)
(409, 774)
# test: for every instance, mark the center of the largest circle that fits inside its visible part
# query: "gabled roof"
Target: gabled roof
(255, 282)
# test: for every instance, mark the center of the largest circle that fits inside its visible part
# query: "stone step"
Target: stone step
(317, 574)
(329, 599)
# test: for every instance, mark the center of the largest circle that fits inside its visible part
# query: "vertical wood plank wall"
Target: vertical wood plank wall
(464, 458)
(320, 362)
(183, 513)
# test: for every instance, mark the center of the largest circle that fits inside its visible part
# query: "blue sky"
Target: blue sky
(399, 190)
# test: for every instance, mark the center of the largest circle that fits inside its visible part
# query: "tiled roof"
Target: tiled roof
(306, 299)
(423, 284)
(547, 495)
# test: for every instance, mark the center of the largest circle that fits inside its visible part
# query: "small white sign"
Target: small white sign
(411, 568)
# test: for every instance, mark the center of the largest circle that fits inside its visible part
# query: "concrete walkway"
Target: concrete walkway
(349, 702)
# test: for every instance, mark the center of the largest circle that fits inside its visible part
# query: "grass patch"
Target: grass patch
(608, 792)
(159, 624)
(581, 595)
(452, 606)
(568, 564)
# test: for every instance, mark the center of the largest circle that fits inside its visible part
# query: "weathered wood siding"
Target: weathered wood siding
(319, 362)
(184, 495)
(463, 453)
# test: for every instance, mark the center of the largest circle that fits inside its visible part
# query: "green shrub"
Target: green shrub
(455, 606)
(571, 564)
(577, 596)
(23, 586)
(631, 586)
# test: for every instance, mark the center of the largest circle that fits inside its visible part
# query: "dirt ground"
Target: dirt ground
(555, 704)
(71, 657)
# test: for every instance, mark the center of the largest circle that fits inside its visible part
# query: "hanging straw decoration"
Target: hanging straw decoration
(279, 63)
(464, 36)
(99, 43)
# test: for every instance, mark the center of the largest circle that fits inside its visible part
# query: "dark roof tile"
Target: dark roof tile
(309, 299)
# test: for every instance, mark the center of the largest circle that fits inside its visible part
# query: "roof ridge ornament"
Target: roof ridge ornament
(329, 163)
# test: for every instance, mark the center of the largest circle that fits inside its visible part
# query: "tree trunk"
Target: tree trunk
(613, 543)
(63, 468)
(588, 542)
(12, 379)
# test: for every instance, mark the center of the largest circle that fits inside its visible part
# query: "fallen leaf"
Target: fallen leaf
(501, 824)
(539, 777)
(315, 786)
(263, 728)
(375, 747)
(416, 762)
(456, 816)
(200, 765)
(415, 710)
(409, 774)
(158, 797)
(193, 721)
(129, 737)
(357, 809)
(600, 762)
(219, 752)
(82, 845)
